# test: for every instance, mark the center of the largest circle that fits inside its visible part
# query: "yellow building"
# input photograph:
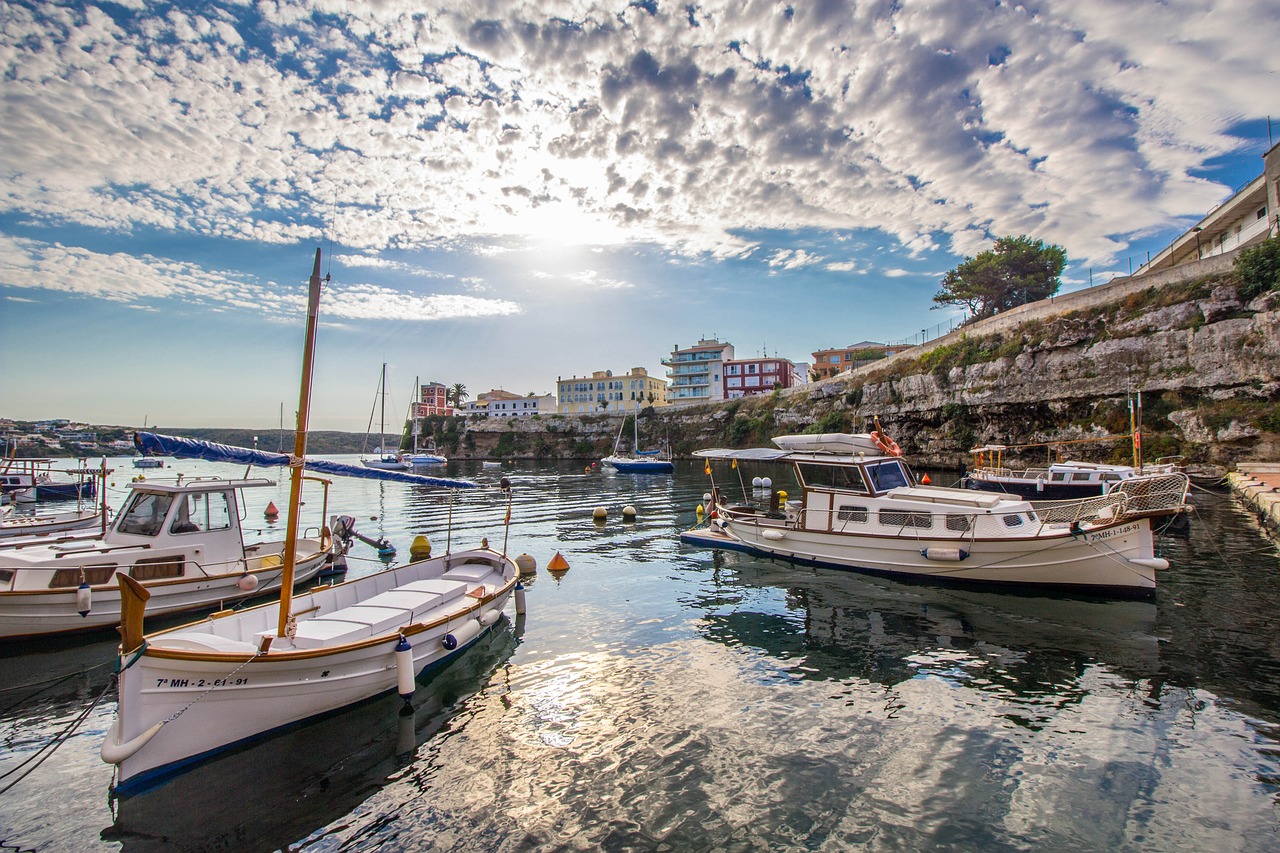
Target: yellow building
(603, 392)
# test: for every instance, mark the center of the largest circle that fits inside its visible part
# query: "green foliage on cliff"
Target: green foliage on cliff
(1017, 270)
(1258, 269)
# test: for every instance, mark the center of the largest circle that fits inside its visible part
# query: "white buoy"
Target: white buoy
(247, 582)
(84, 599)
(756, 482)
(526, 564)
(766, 482)
(404, 669)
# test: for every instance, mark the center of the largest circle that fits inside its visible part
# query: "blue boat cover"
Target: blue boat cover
(191, 448)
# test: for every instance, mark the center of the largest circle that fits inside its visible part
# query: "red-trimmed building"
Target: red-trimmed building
(745, 377)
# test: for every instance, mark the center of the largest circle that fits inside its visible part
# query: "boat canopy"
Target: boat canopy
(191, 448)
(755, 454)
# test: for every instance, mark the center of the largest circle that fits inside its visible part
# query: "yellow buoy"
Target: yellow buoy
(782, 499)
(558, 563)
(700, 510)
(599, 513)
(420, 549)
(629, 512)
(526, 564)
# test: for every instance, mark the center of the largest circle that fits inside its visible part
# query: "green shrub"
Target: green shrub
(1258, 269)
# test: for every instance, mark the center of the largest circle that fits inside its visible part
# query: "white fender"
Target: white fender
(461, 635)
(1150, 563)
(775, 535)
(404, 669)
(114, 752)
(489, 617)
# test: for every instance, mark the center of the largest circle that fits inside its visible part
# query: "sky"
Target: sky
(506, 193)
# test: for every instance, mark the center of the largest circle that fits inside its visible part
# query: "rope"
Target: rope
(178, 713)
(33, 761)
(47, 683)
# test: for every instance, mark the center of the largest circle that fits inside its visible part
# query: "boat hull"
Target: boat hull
(639, 466)
(30, 614)
(196, 691)
(1115, 559)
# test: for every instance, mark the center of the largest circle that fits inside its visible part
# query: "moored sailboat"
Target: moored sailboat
(638, 461)
(187, 693)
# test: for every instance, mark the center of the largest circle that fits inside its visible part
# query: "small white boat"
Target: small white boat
(39, 524)
(182, 540)
(864, 512)
(147, 462)
(188, 693)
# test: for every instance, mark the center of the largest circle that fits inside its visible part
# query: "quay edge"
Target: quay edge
(1256, 484)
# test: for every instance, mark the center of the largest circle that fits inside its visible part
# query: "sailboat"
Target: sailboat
(385, 461)
(638, 461)
(188, 693)
(427, 455)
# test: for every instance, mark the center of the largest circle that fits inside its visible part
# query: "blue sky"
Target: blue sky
(510, 192)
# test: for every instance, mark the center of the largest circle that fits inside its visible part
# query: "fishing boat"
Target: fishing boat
(147, 462)
(638, 461)
(31, 480)
(1063, 480)
(180, 540)
(384, 459)
(864, 511)
(191, 692)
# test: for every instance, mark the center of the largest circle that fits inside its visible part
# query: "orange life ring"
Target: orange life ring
(888, 445)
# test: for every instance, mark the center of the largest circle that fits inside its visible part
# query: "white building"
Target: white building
(504, 404)
(696, 374)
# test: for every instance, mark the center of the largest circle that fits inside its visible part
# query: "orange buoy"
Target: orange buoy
(272, 512)
(924, 481)
(558, 563)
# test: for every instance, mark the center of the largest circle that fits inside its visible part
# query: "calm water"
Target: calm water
(664, 697)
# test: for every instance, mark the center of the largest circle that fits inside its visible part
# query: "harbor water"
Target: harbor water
(660, 696)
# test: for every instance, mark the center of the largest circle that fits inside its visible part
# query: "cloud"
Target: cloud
(391, 126)
(139, 282)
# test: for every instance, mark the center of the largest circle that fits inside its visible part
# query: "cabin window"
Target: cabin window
(1013, 520)
(959, 523)
(6, 575)
(1081, 477)
(897, 518)
(158, 568)
(1058, 477)
(832, 477)
(852, 513)
(93, 575)
(1110, 477)
(887, 475)
(200, 512)
(144, 514)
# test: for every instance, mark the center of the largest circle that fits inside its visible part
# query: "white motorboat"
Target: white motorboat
(180, 539)
(36, 524)
(864, 511)
(188, 693)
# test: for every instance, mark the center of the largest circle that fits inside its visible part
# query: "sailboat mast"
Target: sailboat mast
(382, 414)
(299, 450)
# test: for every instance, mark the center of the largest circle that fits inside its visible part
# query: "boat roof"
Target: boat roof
(768, 454)
(199, 484)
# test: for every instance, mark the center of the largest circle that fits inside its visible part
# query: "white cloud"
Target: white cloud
(1077, 122)
(141, 281)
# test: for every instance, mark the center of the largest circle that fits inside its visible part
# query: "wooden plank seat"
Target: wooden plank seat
(378, 615)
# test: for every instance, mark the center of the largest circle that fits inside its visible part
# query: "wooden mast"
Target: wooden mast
(299, 450)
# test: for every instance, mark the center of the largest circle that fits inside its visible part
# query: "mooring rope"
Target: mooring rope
(33, 761)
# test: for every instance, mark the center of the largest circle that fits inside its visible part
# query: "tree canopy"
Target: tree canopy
(1016, 271)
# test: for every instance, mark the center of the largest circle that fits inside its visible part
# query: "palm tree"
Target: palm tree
(457, 394)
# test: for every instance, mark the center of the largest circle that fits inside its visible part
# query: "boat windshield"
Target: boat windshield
(200, 512)
(144, 514)
(887, 475)
(844, 477)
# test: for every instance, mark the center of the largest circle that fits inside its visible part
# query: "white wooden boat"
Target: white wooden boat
(180, 539)
(865, 512)
(28, 524)
(190, 692)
